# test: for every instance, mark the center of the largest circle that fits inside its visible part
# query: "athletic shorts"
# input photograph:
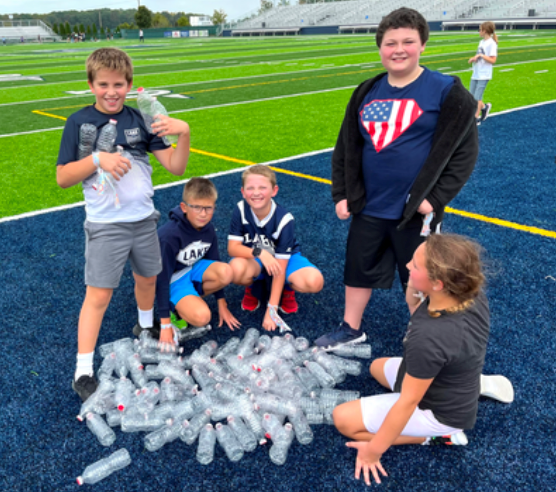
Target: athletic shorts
(375, 248)
(109, 246)
(422, 423)
(477, 88)
(190, 284)
(296, 262)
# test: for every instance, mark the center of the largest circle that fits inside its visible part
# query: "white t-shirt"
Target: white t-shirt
(482, 70)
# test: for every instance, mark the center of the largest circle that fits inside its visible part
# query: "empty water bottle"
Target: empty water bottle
(107, 137)
(87, 137)
(278, 452)
(351, 367)
(190, 429)
(144, 103)
(243, 434)
(100, 401)
(325, 379)
(192, 332)
(96, 424)
(157, 110)
(301, 344)
(158, 438)
(363, 350)
(124, 394)
(205, 449)
(247, 345)
(227, 439)
(302, 429)
(107, 367)
(229, 347)
(101, 469)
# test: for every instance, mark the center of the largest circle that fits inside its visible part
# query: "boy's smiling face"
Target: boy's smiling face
(400, 51)
(110, 89)
(258, 192)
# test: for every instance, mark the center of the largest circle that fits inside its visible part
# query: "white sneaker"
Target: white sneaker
(497, 387)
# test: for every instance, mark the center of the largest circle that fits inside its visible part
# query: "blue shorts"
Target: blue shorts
(191, 284)
(296, 262)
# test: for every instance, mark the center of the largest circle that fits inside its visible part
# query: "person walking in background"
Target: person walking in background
(141, 37)
(482, 68)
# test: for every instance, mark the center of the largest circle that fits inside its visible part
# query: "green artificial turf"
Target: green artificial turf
(275, 98)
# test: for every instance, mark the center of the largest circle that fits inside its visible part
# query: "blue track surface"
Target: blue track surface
(43, 447)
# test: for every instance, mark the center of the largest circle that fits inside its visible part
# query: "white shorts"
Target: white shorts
(421, 424)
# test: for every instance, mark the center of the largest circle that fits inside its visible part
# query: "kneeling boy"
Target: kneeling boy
(191, 266)
(262, 244)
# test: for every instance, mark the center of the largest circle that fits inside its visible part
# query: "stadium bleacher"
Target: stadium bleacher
(28, 30)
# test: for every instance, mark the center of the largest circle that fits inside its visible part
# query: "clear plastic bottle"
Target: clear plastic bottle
(330, 365)
(190, 429)
(228, 348)
(87, 138)
(278, 452)
(144, 103)
(349, 366)
(324, 379)
(203, 379)
(100, 401)
(243, 434)
(253, 421)
(107, 367)
(301, 343)
(158, 438)
(176, 373)
(363, 350)
(302, 429)
(96, 424)
(114, 418)
(209, 348)
(192, 332)
(276, 404)
(307, 379)
(205, 449)
(247, 345)
(107, 137)
(124, 393)
(159, 109)
(263, 343)
(101, 469)
(272, 425)
(227, 439)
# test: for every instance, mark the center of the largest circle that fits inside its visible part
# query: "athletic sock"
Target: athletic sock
(145, 318)
(84, 365)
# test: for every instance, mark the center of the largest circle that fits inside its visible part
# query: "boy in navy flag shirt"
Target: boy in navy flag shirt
(191, 266)
(407, 145)
(263, 246)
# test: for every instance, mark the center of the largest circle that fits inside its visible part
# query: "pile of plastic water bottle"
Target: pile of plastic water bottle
(252, 389)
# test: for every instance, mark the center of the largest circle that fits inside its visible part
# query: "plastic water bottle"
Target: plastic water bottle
(100, 401)
(192, 332)
(272, 425)
(306, 378)
(87, 138)
(330, 365)
(205, 449)
(190, 429)
(107, 137)
(107, 367)
(227, 439)
(275, 404)
(302, 429)
(301, 343)
(228, 348)
(158, 438)
(245, 436)
(101, 469)
(209, 348)
(363, 351)
(159, 109)
(114, 418)
(144, 103)
(278, 452)
(123, 394)
(96, 424)
(325, 379)
(247, 345)
(351, 367)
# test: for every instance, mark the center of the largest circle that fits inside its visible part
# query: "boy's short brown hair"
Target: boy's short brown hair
(110, 59)
(400, 18)
(199, 189)
(261, 171)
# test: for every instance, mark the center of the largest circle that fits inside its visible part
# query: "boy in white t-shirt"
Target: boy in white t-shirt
(482, 68)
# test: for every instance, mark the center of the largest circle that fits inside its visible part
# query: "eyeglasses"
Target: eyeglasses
(199, 208)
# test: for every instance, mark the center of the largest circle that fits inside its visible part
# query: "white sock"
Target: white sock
(145, 318)
(84, 365)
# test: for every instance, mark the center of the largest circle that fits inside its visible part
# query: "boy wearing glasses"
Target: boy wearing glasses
(191, 266)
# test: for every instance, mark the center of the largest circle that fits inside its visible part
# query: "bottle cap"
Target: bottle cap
(79, 480)
(113, 122)
(140, 89)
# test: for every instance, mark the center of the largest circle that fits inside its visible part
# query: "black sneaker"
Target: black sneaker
(154, 331)
(485, 111)
(343, 335)
(457, 439)
(85, 386)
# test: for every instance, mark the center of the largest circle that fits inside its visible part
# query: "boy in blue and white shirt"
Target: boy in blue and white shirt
(263, 246)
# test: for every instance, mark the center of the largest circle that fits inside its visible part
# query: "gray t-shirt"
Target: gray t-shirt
(451, 349)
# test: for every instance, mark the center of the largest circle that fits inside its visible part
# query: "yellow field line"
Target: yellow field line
(36, 111)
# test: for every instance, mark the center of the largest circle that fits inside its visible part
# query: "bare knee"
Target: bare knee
(197, 316)
(98, 298)
(239, 272)
(343, 419)
(377, 371)
(144, 282)
(225, 273)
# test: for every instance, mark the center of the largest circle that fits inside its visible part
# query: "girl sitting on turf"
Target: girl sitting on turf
(437, 383)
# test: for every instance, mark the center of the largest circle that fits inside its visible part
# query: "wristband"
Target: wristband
(96, 159)
(166, 326)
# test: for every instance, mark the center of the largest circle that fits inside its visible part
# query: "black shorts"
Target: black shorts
(375, 248)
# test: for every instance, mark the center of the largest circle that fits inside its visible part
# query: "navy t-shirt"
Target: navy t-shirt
(398, 125)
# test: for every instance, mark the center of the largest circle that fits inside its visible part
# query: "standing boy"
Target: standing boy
(407, 145)
(112, 234)
(191, 265)
(263, 247)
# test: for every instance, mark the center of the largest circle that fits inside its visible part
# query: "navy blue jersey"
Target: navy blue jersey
(398, 125)
(181, 246)
(275, 233)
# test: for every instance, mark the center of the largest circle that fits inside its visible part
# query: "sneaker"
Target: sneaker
(485, 111)
(249, 302)
(154, 331)
(85, 386)
(343, 335)
(497, 387)
(177, 322)
(457, 439)
(288, 304)
(478, 121)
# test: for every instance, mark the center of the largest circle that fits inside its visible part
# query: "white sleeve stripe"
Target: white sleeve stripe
(241, 207)
(235, 238)
(283, 257)
(283, 223)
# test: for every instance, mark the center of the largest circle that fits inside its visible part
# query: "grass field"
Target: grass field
(248, 100)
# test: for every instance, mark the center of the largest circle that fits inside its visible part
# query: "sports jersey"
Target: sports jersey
(482, 70)
(275, 233)
(135, 189)
(181, 246)
(398, 125)
(451, 349)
